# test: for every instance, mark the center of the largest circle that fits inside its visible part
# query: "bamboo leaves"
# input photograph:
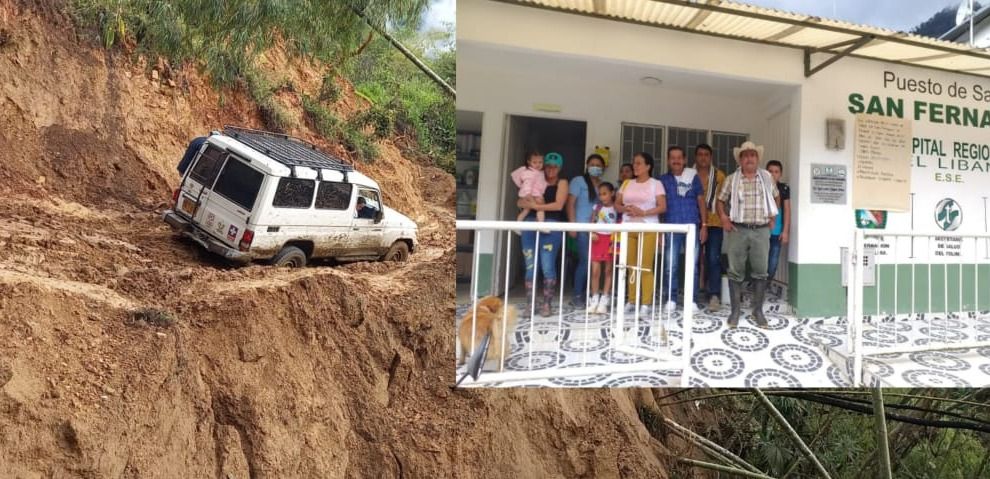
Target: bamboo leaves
(226, 37)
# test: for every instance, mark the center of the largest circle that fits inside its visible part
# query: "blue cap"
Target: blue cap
(553, 158)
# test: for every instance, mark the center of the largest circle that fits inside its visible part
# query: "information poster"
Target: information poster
(882, 164)
(828, 184)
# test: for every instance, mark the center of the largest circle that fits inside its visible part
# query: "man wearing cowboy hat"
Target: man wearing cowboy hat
(747, 206)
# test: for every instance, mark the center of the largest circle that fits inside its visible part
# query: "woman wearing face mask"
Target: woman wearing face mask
(583, 196)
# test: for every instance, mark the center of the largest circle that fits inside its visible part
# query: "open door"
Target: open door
(778, 148)
(522, 134)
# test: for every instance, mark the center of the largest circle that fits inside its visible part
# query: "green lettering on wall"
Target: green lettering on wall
(875, 107)
(855, 103)
(970, 116)
(895, 107)
(935, 114)
(952, 114)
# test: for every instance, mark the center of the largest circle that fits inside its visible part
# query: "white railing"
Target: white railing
(939, 323)
(640, 353)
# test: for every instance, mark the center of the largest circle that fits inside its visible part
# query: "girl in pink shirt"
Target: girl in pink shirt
(532, 183)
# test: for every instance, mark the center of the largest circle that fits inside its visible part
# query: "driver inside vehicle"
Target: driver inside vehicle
(365, 210)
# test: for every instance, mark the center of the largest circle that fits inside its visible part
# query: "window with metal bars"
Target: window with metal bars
(650, 138)
(637, 138)
(722, 145)
(686, 138)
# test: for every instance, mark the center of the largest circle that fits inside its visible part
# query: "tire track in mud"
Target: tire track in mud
(131, 260)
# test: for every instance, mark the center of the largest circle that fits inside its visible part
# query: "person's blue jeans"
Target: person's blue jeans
(673, 248)
(581, 270)
(550, 246)
(713, 262)
(774, 257)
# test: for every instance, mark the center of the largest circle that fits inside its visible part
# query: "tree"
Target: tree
(940, 23)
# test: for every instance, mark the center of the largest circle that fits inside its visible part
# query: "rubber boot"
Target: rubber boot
(735, 297)
(759, 293)
(549, 286)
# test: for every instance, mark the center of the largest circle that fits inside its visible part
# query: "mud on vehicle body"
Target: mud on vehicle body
(251, 195)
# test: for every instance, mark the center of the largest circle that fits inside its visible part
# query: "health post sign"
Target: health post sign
(922, 153)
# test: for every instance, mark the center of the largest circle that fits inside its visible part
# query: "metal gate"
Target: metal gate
(940, 312)
(617, 341)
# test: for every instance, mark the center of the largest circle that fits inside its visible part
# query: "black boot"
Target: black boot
(735, 296)
(759, 292)
(549, 288)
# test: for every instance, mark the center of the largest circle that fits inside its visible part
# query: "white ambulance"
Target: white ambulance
(253, 195)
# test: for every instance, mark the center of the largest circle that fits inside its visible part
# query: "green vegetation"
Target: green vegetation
(931, 432)
(416, 107)
(348, 133)
(226, 37)
(225, 40)
(263, 92)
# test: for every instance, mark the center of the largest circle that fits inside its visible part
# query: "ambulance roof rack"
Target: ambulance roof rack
(288, 150)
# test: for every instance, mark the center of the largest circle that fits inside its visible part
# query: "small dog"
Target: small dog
(488, 320)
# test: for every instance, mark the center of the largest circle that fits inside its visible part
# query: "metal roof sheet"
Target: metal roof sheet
(815, 35)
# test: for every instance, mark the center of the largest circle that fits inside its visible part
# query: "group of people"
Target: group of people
(744, 215)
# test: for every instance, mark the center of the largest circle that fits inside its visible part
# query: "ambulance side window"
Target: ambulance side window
(206, 169)
(294, 193)
(333, 195)
(239, 183)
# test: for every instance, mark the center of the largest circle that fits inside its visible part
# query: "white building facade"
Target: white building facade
(517, 62)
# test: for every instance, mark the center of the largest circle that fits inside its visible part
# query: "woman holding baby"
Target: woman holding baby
(551, 204)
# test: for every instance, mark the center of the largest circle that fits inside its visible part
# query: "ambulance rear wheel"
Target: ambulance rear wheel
(290, 256)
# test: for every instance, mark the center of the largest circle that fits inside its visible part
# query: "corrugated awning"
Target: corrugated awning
(832, 39)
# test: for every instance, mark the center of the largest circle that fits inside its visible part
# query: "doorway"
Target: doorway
(522, 134)
(468, 167)
(778, 148)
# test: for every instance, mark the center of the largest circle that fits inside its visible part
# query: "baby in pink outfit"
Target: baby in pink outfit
(532, 183)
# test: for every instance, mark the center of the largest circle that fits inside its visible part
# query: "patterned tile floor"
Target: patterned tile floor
(940, 368)
(786, 354)
(792, 352)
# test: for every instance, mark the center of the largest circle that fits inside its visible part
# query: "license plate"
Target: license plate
(188, 206)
